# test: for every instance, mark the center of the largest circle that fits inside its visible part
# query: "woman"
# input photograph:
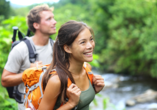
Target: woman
(74, 46)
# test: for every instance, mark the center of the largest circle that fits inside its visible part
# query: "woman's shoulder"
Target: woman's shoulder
(54, 80)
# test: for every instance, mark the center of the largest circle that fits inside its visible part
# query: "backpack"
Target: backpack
(32, 79)
(13, 91)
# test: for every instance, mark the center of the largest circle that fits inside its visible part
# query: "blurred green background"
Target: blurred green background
(125, 34)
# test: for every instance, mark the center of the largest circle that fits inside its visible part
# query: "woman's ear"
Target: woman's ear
(67, 48)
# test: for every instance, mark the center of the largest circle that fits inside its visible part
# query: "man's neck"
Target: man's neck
(40, 39)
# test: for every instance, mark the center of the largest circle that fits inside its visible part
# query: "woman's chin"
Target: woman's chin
(89, 60)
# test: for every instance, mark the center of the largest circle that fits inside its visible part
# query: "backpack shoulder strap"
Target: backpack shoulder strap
(32, 53)
(89, 72)
(69, 81)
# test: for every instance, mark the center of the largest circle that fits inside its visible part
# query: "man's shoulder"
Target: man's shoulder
(21, 47)
(22, 44)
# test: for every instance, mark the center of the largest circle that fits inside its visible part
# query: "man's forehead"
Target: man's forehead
(46, 13)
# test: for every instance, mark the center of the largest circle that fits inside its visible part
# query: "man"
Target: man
(41, 21)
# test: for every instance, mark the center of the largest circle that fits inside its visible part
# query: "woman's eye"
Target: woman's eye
(91, 39)
(82, 42)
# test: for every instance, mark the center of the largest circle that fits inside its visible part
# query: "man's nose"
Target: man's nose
(54, 21)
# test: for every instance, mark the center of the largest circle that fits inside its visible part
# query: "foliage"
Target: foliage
(106, 104)
(131, 36)
(95, 62)
(6, 33)
(124, 32)
(71, 12)
(4, 8)
(23, 11)
(5, 102)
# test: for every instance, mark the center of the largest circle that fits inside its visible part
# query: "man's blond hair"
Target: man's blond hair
(34, 15)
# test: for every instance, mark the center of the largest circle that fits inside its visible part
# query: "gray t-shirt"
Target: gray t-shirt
(18, 59)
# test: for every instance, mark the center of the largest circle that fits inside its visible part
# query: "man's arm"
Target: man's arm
(13, 65)
(10, 79)
(13, 79)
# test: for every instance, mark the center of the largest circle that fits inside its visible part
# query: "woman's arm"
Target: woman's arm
(52, 91)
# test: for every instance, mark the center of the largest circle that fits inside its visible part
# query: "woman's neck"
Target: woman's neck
(76, 68)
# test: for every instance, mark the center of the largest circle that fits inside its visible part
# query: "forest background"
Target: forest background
(125, 33)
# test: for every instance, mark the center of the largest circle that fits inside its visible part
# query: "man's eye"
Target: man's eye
(49, 19)
(91, 39)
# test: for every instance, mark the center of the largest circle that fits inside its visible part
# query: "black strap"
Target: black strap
(28, 32)
(14, 34)
(20, 35)
(32, 53)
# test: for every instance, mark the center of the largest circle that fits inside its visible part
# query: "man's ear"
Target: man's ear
(36, 25)
(67, 48)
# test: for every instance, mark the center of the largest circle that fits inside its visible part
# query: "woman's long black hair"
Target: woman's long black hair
(66, 36)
